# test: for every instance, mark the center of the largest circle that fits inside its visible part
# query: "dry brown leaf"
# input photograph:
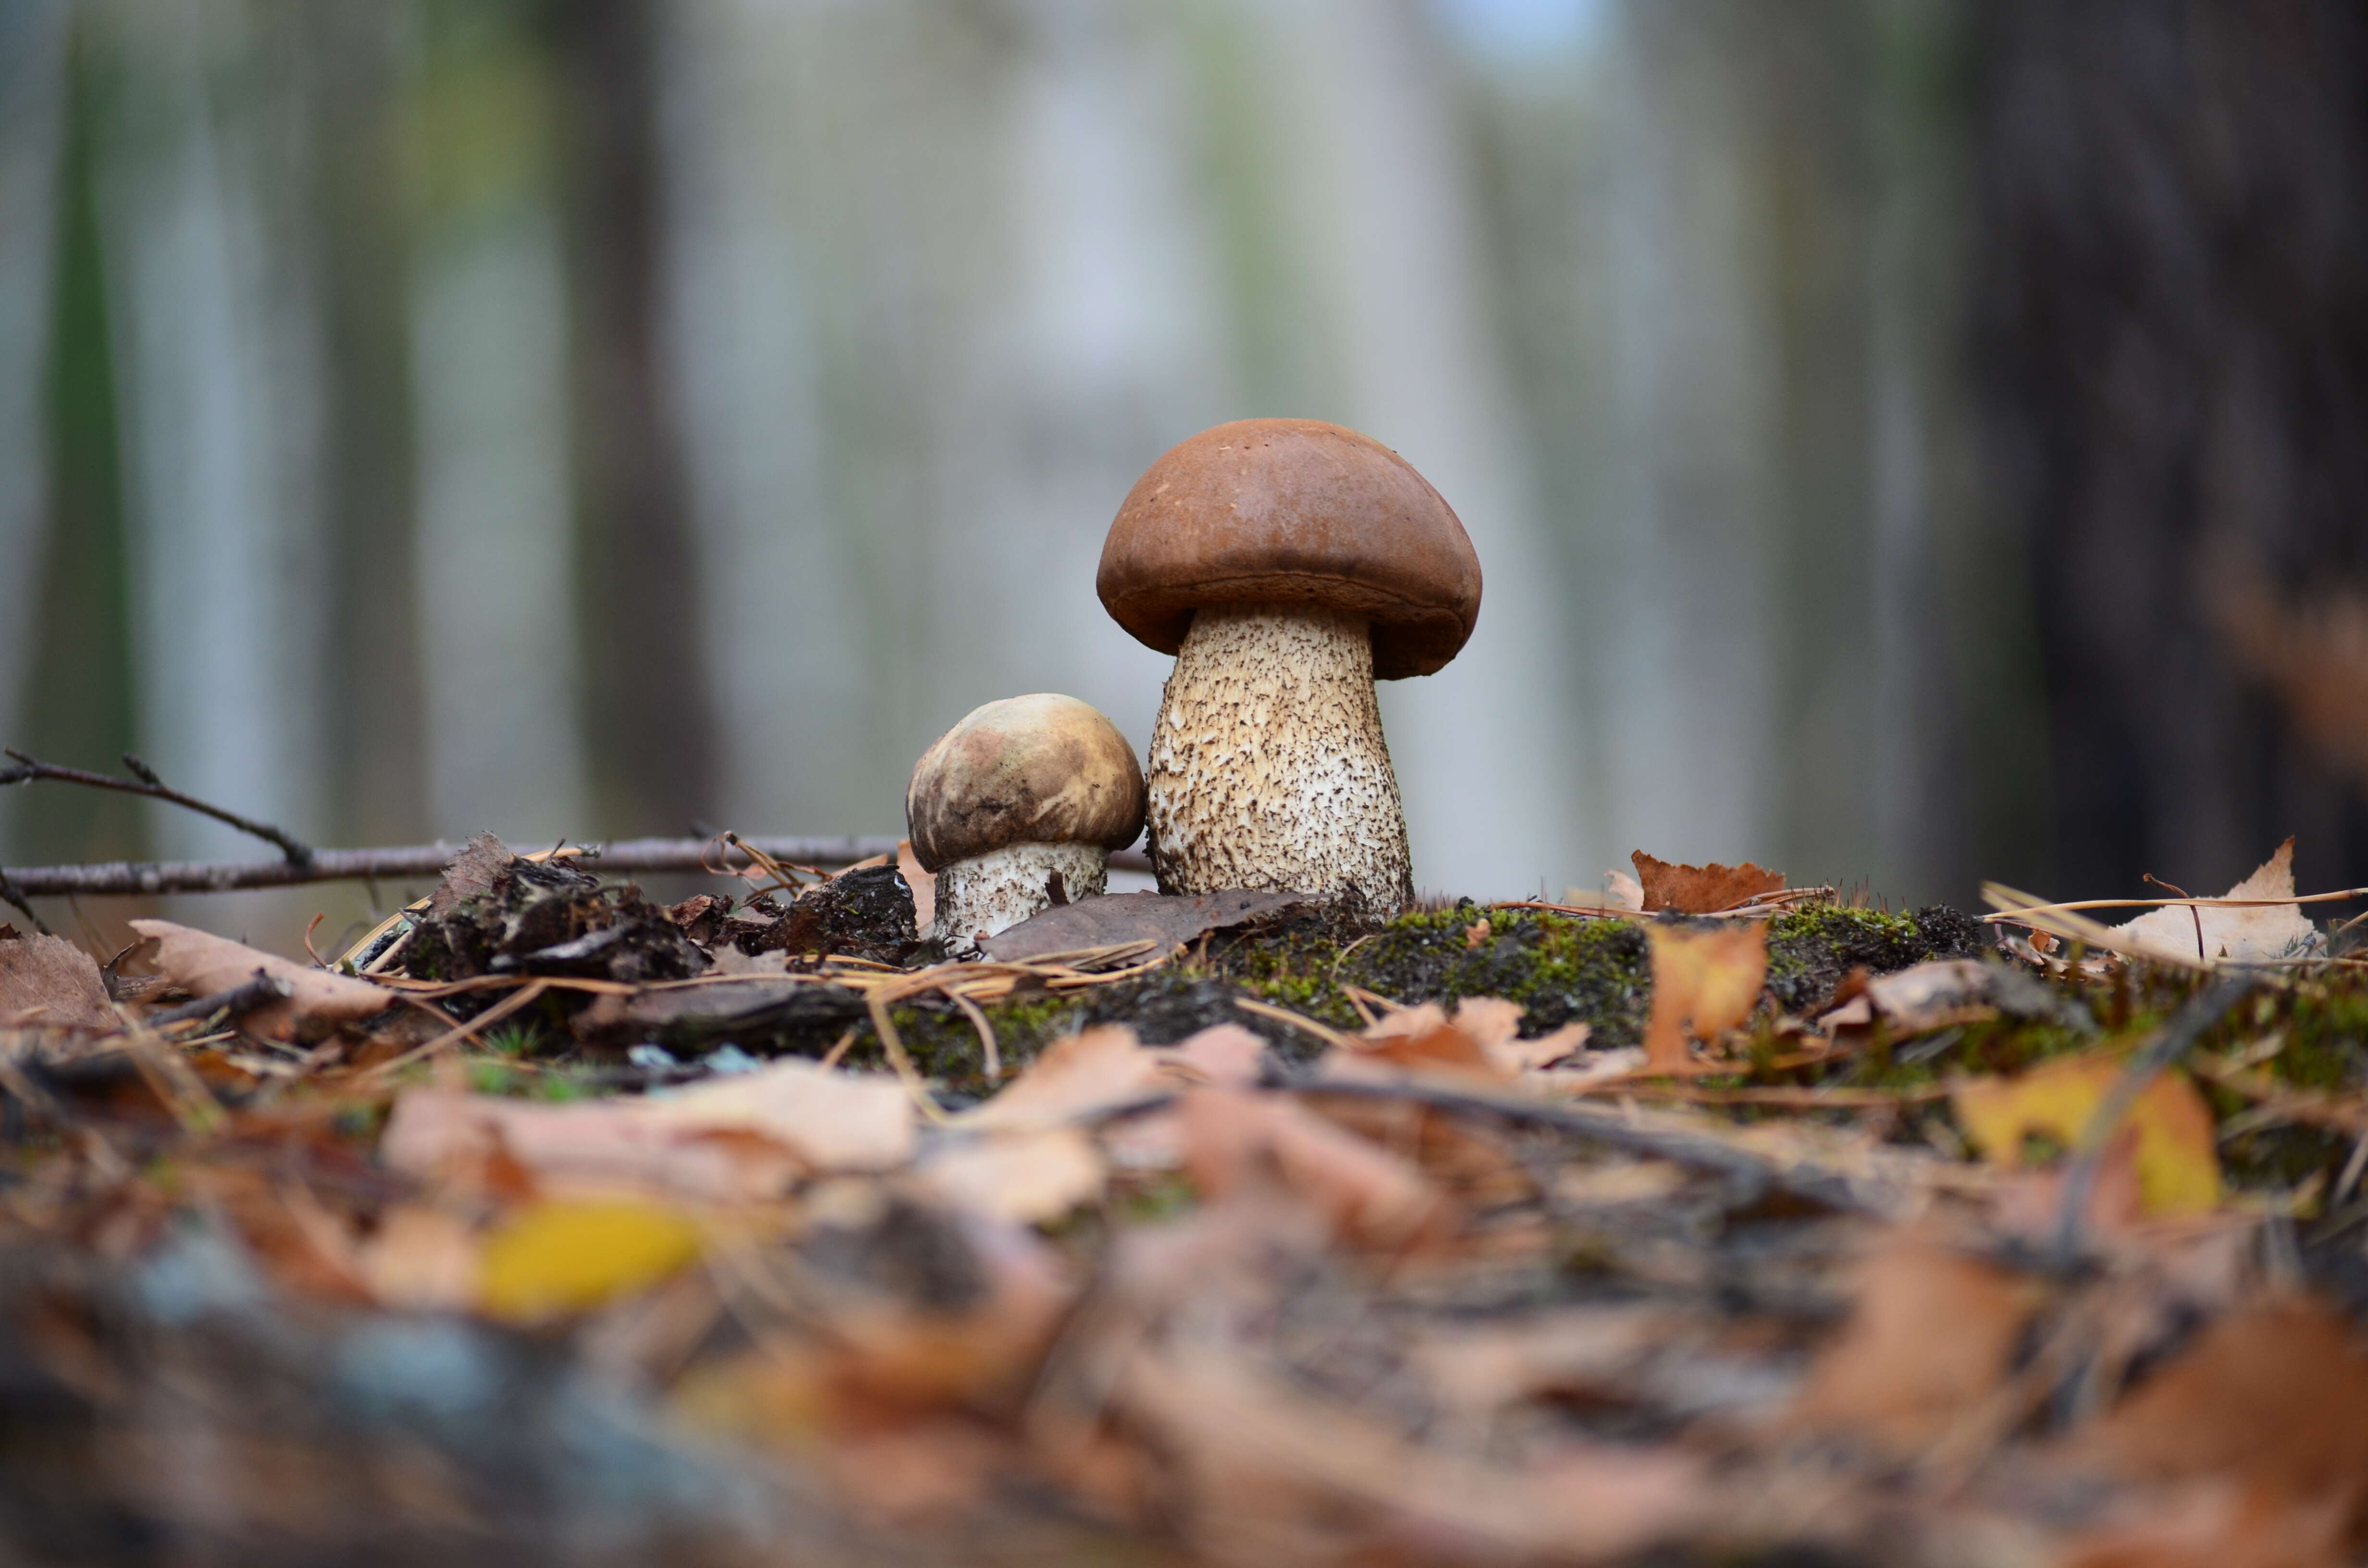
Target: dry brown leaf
(1369, 1194)
(1704, 982)
(1931, 1332)
(745, 1136)
(832, 1121)
(1481, 1039)
(1088, 1072)
(2273, 1395)
(319, 1000)
(1264, 1464)
(1701, 889)
(1221, 1054)
(48, 982)
(420, 1259)
(2181, 933)
(1025, 1178)
(2213, 1523)
(2174, 1141)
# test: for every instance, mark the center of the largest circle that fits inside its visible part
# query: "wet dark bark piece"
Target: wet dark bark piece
(1133, 917)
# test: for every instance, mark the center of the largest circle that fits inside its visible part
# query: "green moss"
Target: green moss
(1810, 951)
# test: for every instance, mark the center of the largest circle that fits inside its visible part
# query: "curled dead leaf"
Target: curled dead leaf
(318, 1000)
(1701, 889)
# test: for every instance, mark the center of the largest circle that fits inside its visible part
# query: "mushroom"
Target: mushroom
(1288, 564)
(1017, 809)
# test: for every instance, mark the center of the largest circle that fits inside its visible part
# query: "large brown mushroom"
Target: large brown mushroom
(1017, 808)
(1288, 564)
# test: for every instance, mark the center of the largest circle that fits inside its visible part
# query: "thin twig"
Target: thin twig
(1324, 1032)
(130, 878)
(500, 1010)
(1701, 1151)
(9, 891)
(146, 782)
(235, 1002)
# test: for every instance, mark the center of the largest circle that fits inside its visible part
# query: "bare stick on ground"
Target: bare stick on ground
(696, 855)
(144, 781)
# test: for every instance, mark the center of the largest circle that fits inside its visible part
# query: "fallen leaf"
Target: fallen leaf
(50, 983)
(2270, 1395)
(747, 1135)
(1221, 1054)
(1026, 1178)
(1704, 982)
(420, 1259)
(2213, 1523)
(1941, 992)
(1931, 1332)
(205, 965)
(1136, 916)
(1701, 889)
(2176, 1147)
(832, 1121)
(555, 1258)
(1624, 890)
(1260, 1459)
(2183, 932)
(1088, 1072)
(1367, 1193)
(1481, 1039)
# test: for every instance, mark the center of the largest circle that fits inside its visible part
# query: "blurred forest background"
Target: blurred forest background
(1907, 441)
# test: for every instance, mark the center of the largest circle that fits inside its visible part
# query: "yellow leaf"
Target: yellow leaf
(2178, 1156)
(571, 1257)
(1704, 982)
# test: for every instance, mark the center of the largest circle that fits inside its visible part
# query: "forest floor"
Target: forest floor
(1716, 1222)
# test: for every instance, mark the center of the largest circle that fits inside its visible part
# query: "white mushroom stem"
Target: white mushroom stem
(996, 891)
(1268, 766)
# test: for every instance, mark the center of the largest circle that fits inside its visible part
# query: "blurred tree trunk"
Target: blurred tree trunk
(649, 717)
(2172, 316)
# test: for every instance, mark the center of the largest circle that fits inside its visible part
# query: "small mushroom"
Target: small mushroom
(1017, 809)
(1288, 564)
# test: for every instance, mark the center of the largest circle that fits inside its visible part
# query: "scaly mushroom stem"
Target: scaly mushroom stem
(996, 891)
(1268, 766)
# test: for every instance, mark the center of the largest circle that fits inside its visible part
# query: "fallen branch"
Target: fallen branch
(14, 896)
(146, 782)
(222, 1007)
(127, 878)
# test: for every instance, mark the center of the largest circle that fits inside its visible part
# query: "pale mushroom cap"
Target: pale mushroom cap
(1287, 512)
(1038, 769)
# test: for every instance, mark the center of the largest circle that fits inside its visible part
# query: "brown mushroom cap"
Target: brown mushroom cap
(1038, 769)
(1293, 513)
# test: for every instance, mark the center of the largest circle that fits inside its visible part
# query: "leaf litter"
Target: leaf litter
(553, 1224)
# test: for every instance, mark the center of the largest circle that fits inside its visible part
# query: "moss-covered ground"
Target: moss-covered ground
(1565, 969)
